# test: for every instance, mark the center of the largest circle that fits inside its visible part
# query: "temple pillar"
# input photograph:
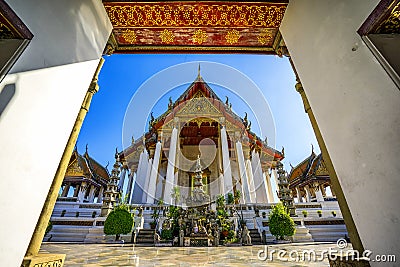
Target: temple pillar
(270, 194)
(259, 182)
(169, 183)
(91, 193)
(147, 179)
(318, 192)
(66, 189)
(250, 178)
(243, 173)
(322, 188)
(308, 194)
(154, 174)
(299, 198)
(228, 186)
(140, 181)
(100, 195)
(130, 185)
(122, 179)
(76, 190)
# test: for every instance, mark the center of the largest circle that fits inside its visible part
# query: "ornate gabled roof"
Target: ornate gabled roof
(312, 167)
(302, 168)
(200, 99)
(84, 166)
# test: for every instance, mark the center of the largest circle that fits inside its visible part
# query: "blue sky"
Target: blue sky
(122, 76)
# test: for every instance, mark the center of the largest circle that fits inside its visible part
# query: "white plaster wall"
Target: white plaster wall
(356, 106)
(51, 78)
(65, 32)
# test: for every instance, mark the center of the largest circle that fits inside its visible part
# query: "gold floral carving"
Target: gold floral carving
(129, 36)
(199, 106)
(265, 37)
(192, 14)
(232, 37)
(74, 169)
(199, 36)
(392, 23)
(322, 170)
(167, 36)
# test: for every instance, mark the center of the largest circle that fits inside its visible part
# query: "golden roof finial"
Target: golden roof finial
(198, 72)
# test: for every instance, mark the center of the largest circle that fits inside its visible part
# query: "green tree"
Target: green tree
(119, 221)
(230, 199)
(280, 222)
(176, 194)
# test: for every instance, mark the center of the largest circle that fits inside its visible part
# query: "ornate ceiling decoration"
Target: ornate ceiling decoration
(11, 26)
(185, 26)
(384, 19)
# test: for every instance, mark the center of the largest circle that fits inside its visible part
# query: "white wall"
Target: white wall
(51, 79)
(356, 106)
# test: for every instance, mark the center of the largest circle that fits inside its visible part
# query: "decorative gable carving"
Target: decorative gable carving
(199, 105)
(74, 169)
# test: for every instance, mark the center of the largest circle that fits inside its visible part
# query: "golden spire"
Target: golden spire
(198, 73)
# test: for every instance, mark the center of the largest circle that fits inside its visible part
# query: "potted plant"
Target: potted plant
(154, 216)
(153, 224)
(333, 213)
(264, 214)
(257, 212)
(319, 213)
(305, 213)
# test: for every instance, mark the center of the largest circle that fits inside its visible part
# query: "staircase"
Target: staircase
(255, 237)
(145, 237)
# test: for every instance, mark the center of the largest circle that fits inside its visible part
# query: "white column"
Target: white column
(308, 195)
(122, 180)
(242, 173)
(91, 193)
(318, 193)
(250, 179)
(129, 187)
(299, 198)
(147, 180)
(154, 174)
(275, 175)
(139, 192)
(100, 195)
(228, 186)
(259, 182)
(169, 183)
(65, 190)
(270, 194)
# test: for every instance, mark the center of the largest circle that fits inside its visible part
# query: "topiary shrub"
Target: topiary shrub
(166, 234)
(118, 222)
(280, 223)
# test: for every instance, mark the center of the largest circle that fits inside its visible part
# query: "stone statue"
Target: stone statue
(246, 239)
(181, 237)
(216, 237)
(157, 238)
(170, 104)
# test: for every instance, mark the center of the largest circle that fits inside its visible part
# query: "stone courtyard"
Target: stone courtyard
(131, 255)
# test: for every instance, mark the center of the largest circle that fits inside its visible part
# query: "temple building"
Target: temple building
(309, 179)
(198, 123)
(85, 180)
